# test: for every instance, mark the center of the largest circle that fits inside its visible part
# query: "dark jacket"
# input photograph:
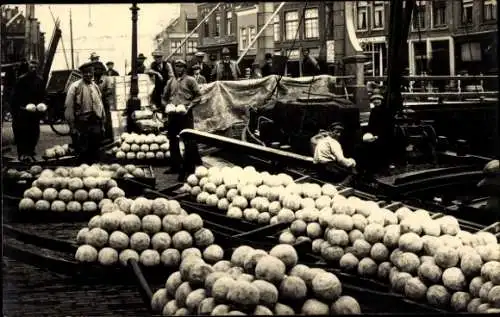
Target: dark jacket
(267, 70)
(112, 72)
(140, 69)
(166, 72)
(28, 89)
(310, 66)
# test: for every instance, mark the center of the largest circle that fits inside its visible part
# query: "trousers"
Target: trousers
(26, 128)
(176, 124)
(88, 135)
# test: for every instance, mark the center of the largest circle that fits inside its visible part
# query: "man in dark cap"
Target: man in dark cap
(267, 69)
(183, 90)
(162, 72)
(99, 66)
(205, 70)
(85, 115)
(111, 71)
(226, 69)
(200, 79)
(141, 68)
(29, 89)
(310, 66)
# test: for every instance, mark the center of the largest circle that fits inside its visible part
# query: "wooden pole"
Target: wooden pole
(71, 39)
(260, 32)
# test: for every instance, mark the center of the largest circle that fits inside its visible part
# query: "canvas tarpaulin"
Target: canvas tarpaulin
(225, 103)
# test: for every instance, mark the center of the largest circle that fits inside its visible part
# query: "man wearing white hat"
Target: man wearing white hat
(27, 94)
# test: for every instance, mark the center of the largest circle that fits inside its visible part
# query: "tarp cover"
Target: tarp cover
(225, 103)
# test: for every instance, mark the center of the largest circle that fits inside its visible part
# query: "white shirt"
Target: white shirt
(329, 150)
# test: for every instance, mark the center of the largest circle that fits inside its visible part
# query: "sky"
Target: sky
(110, 32)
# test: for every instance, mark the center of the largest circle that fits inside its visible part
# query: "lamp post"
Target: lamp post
(133, 103)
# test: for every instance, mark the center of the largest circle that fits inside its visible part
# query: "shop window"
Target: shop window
(174, 45)
(276, 28)
(439, 14)
(191, 49)
(471, 52)
(311, 23)
(191, 24)
(378, 15)
(291, 25)
(467, 11)
(362, 15)
(489, 10)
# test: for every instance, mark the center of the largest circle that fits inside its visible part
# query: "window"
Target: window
(291, 25)
(206, 25)
(419, 16)
(378, 15)
(471, 52)
(276, 26)
(174, 45)
(253, 32)
(191, 48)
(467, 11)
(439, 13)
(311, 23)
(229, 23)
(243, 38)
(191, 24)
(217, 24)
(362, 15)
(489, 10)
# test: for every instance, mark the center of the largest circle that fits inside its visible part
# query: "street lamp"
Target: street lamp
(133, 103)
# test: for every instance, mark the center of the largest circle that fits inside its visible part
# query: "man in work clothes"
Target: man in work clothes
(111, 71)
(141, 68)
(267, 69)
(105, 84)
(162, 72)
(205, 70)
(182, 90)
(95, 59)
(85, 114)
(29, 88)
(226, 69)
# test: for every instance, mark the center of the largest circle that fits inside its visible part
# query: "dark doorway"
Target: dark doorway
(440, 62)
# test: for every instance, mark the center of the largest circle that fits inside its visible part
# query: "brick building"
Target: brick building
(170, 38)
(219, 30)
(445, 36)
(315, 30)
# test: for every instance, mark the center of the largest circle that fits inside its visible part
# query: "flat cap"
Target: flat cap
(180, 62)
(225, 51)
(375, 97)
(196, 67)
(86, 66)
(157, 53)
(336, 126)
(199, 54)
(110, 63)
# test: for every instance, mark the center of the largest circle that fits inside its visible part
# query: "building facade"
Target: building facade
(219, 30)
(20, 39)
(446, 37)
(246, 22)
(169, 40)
(291, 36)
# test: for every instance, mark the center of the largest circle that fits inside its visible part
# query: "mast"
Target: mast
(71, 40)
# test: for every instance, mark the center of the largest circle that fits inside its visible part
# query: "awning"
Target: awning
(480, 34)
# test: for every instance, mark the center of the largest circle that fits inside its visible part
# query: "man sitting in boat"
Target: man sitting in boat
(328, 151)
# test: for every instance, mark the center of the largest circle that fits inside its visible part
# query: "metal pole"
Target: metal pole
(193, 31)
(71, 38)
(133, 103)
(260, 32)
